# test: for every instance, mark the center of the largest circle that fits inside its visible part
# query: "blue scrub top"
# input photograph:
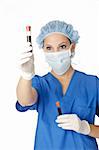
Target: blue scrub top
(81, 98)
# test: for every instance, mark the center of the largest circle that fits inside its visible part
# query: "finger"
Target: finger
(63, 124)
(28, 49)
(63, 120)
(66, 127)
(63, 116)
(24, 61)
(66, 116)
(25, 55)
(28, 44)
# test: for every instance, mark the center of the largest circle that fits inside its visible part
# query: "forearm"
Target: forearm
(94, 131)
(24, 92)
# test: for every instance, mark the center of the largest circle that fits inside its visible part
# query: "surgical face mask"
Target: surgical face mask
(59, 61)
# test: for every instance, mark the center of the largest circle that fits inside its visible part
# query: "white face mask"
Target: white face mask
(59, 61)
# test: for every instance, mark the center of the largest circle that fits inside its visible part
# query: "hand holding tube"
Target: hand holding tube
(73, 122)
(26, 60)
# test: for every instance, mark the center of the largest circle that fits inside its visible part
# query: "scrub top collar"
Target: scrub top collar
(58, 85)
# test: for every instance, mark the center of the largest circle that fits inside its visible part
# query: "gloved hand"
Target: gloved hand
(26, 62)
(73, 122)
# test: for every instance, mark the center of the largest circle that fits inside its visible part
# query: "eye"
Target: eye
(48, 48)
(63, 46)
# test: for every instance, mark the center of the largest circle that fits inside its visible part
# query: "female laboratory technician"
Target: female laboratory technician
(77, 92)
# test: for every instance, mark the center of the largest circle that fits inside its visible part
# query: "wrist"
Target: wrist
(27, 76)
(85, 127)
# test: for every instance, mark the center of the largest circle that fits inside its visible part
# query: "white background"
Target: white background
(17, 130)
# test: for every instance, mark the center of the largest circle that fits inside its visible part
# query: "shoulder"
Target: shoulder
(40, 78)
(87, 76)
(87, 79)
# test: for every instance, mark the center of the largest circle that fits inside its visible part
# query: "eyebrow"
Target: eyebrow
(62, 43)
(47, 45)
(58, 44)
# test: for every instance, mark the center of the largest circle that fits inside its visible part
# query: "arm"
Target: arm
(94, 131)
(25, 93)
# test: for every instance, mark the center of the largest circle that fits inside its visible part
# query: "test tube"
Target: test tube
(58, 108)
(28, 32)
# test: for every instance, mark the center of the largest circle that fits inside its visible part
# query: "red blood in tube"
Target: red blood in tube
(28, 30)
(58, 108)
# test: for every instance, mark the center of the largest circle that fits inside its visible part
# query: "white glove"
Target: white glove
(26, 62)
(72, 122)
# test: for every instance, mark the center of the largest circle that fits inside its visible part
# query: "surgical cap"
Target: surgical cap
(57, 26)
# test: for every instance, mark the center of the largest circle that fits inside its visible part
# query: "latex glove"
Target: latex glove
(26, 62)
(73, 122)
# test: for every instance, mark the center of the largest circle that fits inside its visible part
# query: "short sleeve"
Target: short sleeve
(97, 111)
(21, 108)
(36, 85)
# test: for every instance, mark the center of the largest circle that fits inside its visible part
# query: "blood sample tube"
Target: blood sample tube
(58, 108)
(28, 32)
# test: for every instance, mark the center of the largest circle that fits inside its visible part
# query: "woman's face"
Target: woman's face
(57, 42)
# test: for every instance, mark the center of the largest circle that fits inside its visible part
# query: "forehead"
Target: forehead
(55, 38)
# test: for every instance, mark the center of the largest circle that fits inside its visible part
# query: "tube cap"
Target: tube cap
(28, 28)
